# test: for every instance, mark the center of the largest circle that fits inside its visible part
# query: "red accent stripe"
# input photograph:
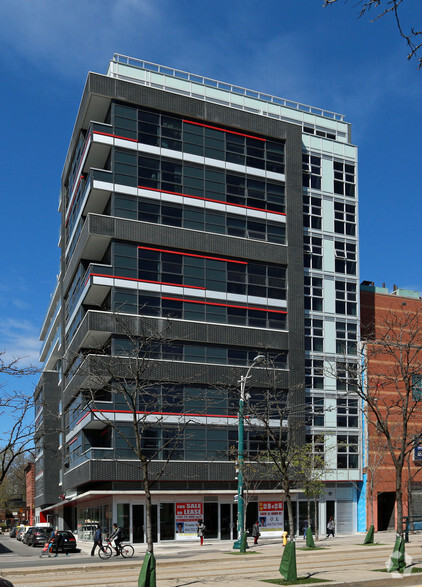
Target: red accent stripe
(224, 305)
(82, 418)
(166, 413)
(107, 134)
(232, 132)
(72, 441)
(141, 280)
(192, 255)
(143, 187)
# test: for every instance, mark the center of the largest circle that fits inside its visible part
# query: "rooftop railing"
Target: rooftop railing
(206, 81)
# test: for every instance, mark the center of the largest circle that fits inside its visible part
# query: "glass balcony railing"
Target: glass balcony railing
(94, 127)
(98, 269)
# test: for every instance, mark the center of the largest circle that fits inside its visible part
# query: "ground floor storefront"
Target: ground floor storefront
(175, 514)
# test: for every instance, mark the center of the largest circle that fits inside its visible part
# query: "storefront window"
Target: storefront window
(123, 519)
(88, 518)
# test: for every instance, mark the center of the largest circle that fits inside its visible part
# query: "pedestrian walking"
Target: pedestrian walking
(200, 530)
(98, 540)
(255, 532)
(305, 529)
(330, 527)
(57, 540)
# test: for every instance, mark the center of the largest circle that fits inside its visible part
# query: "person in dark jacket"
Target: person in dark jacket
(98, 540)
(255, 532)
(57, 540)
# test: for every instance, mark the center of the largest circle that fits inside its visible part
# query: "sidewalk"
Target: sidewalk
(193, 548)
(341, 560)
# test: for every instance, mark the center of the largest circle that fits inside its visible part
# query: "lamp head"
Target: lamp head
(259, 359)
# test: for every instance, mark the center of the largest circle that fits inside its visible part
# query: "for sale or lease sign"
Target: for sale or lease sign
(271, 516)
(187, 516)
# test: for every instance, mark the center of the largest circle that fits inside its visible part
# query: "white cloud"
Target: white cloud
(19, 338)
(65, 36)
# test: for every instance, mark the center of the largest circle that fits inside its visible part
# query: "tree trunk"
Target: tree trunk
(148, 507)
(399, 500)
(409, 495)
(316, 518)
(308, 513)
(290, 515)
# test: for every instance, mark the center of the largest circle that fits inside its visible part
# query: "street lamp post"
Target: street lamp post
(240, 452)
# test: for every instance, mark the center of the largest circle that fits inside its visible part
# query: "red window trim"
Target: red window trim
(167, 413)
(224, 305)
(193, 255)
(107, 134)
(233, 132)
(142, 281)
(143, 187)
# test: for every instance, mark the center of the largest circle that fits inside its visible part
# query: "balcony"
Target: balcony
(92, 196)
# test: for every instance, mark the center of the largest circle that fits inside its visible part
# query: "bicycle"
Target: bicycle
(126, 550)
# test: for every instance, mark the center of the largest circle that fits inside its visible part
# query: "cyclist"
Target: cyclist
(117, 536)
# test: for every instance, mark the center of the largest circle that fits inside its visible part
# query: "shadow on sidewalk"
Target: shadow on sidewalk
(4, 549)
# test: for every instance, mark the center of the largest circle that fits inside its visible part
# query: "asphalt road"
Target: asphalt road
(13, 552)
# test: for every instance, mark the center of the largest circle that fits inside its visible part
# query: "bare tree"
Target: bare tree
(393, 7)
(15, 407)
(377, 448)
(279, 421)
(133, 378)
(14, 484)
(311, 470)
(390, 387)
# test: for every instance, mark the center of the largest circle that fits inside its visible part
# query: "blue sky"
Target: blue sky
(324, 57)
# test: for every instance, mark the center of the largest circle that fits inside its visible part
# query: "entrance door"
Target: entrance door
(226, 521)
(167, 521)
(251, 516)
(211, 519)
(138, 523)
(386, 503)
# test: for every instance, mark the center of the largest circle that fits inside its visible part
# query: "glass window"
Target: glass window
(417, 386)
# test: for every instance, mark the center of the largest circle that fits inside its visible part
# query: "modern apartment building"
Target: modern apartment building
(226, 218)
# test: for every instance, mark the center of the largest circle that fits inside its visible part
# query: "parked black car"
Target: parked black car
(68, 543)
(12, 532)
(39, 536)
(27, 535)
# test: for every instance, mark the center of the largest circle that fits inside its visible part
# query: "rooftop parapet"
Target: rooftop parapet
(125, 67)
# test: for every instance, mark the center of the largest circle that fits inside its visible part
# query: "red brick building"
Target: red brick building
(30, 492)
(394, 318)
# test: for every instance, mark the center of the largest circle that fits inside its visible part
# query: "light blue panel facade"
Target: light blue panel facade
(327, 177)
(361, 497)
(328, 212)
(329, 295)
(329, 336)
(328, 252)
(331, 415)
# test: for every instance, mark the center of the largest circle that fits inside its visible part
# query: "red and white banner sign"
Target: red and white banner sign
(271, 516)
(187, 516)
